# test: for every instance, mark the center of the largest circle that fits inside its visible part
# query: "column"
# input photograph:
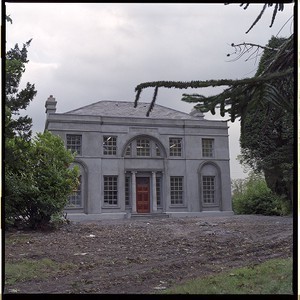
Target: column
(133, 192)
(154, 195)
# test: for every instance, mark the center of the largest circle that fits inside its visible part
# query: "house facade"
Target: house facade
(170, 163)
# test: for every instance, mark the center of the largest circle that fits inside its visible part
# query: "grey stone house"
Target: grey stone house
(170, 163)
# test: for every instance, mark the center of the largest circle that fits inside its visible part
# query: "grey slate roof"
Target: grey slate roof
(126, 109)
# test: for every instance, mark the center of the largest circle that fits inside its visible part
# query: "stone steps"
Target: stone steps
(148, 215)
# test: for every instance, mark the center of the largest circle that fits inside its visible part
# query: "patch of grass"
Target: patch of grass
(271, 277)
(17, 239)
(28, 269)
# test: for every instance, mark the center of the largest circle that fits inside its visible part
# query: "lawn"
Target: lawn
(271, 277)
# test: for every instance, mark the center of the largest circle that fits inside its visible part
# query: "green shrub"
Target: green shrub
(59, 219)
(38, 189)
(257, 198)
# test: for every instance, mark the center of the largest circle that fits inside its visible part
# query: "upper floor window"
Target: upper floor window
(109, 145)
(176, 186)
(128, 150)
(143, 147)
(207, 147)
(175, 146)
(74, 143)
(157, 150)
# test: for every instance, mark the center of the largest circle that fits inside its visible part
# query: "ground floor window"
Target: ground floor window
(208, 186)
(110, 190)
(75, 200)
(176, 186)
(158, 191)
(127, 190)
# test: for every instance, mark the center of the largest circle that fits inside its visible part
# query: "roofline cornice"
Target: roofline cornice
(152, 122)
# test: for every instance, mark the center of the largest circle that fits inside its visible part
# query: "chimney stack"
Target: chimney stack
(197, 113)
(50, 105)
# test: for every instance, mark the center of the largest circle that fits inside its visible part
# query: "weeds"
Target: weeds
(28, 269)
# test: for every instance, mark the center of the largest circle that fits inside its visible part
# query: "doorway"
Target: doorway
(143, 194)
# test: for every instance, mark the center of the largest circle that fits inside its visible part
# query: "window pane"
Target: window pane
(111, 190)
(175, 145)
(127, 190)
(142, 147)
(176, 190)
(158, 190)
(109, 145)
(208, 185)
(128, 150)
(74, 143)
(157, 150)
(207, 147)
(75, 200)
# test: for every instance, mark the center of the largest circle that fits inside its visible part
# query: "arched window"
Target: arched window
(77, 198)
(210, 185)
(144, 146)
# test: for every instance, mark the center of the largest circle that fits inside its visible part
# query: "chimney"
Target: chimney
(197, 113)
(50, 105)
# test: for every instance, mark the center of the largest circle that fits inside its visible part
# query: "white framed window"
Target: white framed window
(158, 191)
(157, 150)
(128, 150)
(143, 147)
(110, 190)
(109, 145)
(74, 143)
(175, 146)
(127, 190)
(207, 147)
(176, 189)
(75, 200)
(208, 188)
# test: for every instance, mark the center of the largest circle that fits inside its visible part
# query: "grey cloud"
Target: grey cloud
(101, 51)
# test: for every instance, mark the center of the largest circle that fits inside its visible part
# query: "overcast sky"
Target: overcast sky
(82, 53)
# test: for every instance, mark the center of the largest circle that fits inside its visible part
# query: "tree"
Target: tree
(252, 196)
(267, 133)
(242, 93)
(38, 176)
(278, 7)
(271, 89)
(39, 190)
(16, 100)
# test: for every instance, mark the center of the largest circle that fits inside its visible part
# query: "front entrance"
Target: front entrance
(143, 194)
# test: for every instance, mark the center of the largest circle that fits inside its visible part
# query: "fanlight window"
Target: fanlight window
(143, 147)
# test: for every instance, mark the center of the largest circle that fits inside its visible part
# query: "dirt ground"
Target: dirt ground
(144, 256)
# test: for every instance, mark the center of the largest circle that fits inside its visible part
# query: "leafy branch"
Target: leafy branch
(239, 93)
(8, 19)
(266, 88)
(278, 7)
(248, 48)
(231, 96)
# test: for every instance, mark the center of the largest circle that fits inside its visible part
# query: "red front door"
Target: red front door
(142, 195)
